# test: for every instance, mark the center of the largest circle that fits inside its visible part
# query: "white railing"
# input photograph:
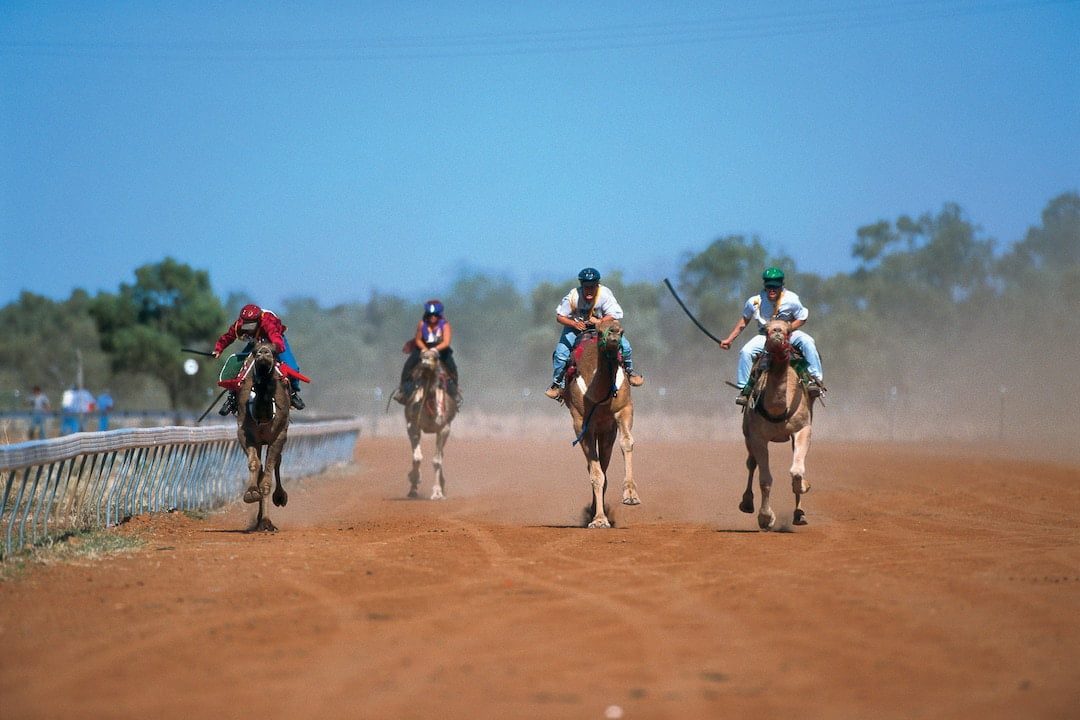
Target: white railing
(96, 479)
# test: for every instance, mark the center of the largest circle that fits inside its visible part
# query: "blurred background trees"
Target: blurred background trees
(930, 302)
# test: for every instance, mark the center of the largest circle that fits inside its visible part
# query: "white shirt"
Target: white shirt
(761, 309)
(604, 304)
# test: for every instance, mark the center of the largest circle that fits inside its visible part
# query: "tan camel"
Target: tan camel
(598, 396)
(262, 421)
(430, 409)
(780, 409)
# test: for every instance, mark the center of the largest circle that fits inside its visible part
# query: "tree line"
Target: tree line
(931, 302)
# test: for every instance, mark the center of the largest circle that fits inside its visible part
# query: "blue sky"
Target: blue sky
(332, 150)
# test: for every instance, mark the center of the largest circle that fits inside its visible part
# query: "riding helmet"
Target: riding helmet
(773, 275)
(250, 312)
(433, 307)
(589, 276)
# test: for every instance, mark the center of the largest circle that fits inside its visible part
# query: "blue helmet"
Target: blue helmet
(433, 307)
(589, 276)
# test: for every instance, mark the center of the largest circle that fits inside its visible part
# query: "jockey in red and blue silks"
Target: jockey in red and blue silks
(257, 324)
(582, 308)
(432, 332)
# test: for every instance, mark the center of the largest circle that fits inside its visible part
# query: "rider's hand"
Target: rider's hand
(215, 354)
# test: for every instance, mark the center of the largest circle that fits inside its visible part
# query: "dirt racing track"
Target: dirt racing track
(932, 582)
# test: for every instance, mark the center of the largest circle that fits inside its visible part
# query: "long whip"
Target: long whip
(689, 314)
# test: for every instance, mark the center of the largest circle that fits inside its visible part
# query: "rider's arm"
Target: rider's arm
(739, 326)
(578, 325)
(446, 337)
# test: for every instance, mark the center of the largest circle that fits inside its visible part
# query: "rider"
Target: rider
(433, 331)
(582, 308)
(773, 302)
(256, 324)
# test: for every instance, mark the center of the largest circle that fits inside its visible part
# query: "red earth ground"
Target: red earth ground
(931, 582)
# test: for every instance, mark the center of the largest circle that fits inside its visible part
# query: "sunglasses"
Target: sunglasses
(773, 286)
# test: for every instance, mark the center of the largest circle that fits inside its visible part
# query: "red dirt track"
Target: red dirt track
(931, 582)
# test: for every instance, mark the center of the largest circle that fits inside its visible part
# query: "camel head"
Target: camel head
(265, 356)
(609, 335)
(777, 334)
(429, 362)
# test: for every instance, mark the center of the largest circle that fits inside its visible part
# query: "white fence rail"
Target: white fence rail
(96, 479)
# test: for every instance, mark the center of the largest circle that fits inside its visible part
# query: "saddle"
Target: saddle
(587, 336)
(282, 371)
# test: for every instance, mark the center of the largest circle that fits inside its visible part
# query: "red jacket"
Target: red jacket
(269, 327)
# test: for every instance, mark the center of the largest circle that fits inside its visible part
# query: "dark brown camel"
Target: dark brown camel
(781, 409)
(263, 423)
(600, 404)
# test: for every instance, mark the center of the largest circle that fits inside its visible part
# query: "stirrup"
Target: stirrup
(229, 406)
(742, 400)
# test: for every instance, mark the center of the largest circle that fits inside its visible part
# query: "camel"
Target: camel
(430, 409)
(780, 409)
(600, 404)
(262, 421)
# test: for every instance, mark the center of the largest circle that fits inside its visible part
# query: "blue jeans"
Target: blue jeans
(561, 356)
(756, 346)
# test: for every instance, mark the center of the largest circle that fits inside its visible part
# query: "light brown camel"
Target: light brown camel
(430, 409)
(602, 409)
(262, 421)
(780, 409)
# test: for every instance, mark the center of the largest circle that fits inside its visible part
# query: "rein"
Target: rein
(613, 391)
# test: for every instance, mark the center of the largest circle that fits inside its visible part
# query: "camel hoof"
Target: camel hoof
(631, 501)
(800, 518)
(281, 498)
(264, 525)
(766, 522)
(413, 494)
(252, 495)
(747, 505)
(600, 524)
(437, 494)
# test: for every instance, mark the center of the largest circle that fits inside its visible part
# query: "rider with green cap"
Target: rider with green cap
(774, 301)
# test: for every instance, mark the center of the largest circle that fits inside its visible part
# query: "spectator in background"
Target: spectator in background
(76, 403)
(104, 405)
(39, 409)
(69, 407)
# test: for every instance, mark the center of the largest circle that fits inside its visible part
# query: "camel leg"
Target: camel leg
(262, 522)
(747, 504)
(759, 448)
(417, 458)
(255, 491)
(281, 498)
(440, 479)
(800, 445)
(626, 442)
(598, 481)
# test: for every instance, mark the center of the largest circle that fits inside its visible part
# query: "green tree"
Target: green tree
(144, 326)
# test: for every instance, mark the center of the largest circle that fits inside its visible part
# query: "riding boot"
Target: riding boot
(554, 392)
(815, 388)
(402, 393)
(230, 404)
(633, 378)
(296, 401)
